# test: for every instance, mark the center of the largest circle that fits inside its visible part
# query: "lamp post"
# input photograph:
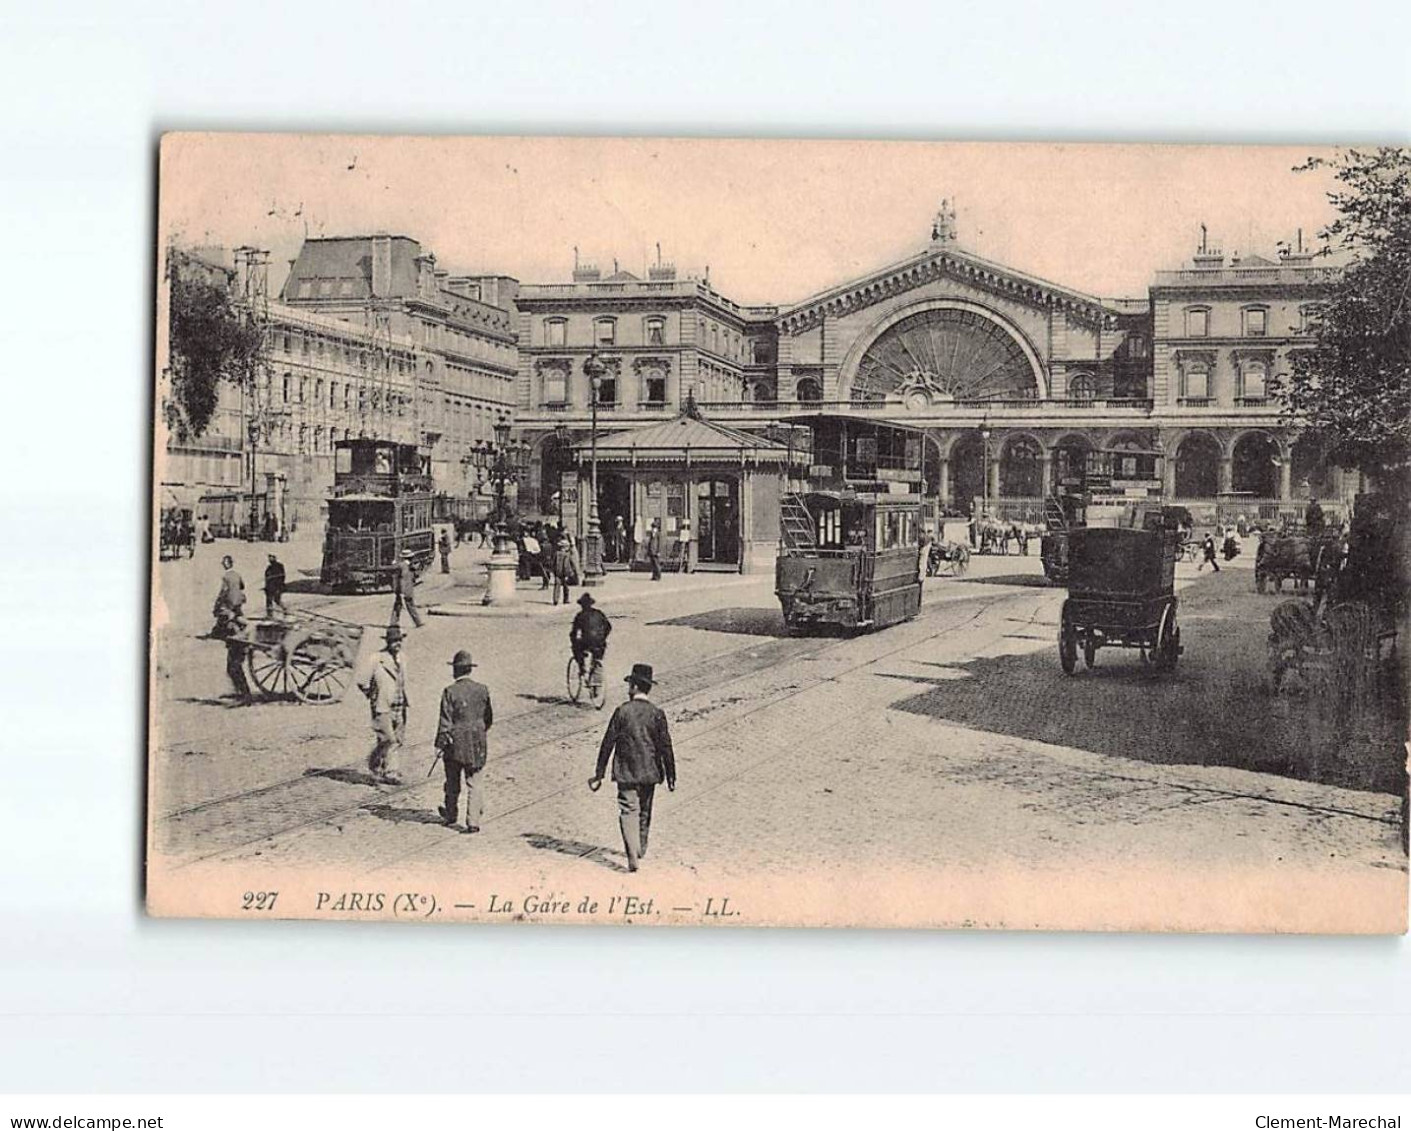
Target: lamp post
(593, 369)
(985, 467)
(503, 563)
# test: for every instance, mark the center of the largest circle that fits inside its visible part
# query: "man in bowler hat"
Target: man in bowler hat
(461, 738)
(639, 743)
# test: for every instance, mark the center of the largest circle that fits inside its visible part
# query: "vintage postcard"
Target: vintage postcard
(798, 533)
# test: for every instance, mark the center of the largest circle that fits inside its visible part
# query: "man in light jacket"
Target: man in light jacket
(386, 690)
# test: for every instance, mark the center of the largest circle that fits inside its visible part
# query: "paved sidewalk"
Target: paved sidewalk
(463, 599)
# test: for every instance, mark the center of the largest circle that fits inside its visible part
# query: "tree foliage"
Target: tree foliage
(210, 343)
(1352, 390)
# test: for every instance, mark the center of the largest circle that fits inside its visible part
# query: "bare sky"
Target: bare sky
(775, 221)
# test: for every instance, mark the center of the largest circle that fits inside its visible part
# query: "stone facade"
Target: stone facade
(462, 326)
(1012, 378)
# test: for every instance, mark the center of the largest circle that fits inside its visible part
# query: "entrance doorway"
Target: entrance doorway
(718, 521)
(614, 501)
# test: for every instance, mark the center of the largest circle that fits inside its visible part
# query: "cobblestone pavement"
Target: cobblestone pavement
(944, 770)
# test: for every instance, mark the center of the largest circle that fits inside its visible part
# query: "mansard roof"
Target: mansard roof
(935, 263)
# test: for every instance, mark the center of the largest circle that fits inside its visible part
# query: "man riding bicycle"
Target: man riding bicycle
(589, 634)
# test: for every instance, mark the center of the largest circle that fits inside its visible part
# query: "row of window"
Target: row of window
(1254, 321)
(653, 389)
(604, 332)
(347, 396)
(308, 345)
(714, 337)
(1252, 381)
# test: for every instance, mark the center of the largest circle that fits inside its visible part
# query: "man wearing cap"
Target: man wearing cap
(461, 738)
(404, 585)
(588, 635)
(386, 689)
(639, 744)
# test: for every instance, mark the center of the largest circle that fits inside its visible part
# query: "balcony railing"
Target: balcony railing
(1195, 402)
(1253, 402)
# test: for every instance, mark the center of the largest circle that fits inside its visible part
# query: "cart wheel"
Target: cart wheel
(573, 677)
(1089, 653)
(270, 672)
(317, 681)
(1068, 647)
(1168, 640)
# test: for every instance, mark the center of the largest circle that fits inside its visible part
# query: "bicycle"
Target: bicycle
(590, 681)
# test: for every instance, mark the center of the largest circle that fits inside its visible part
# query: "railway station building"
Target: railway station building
(1011, 378)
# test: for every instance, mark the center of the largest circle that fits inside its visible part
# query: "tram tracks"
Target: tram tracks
(686, 683)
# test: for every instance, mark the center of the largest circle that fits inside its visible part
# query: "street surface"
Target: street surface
(943, 771)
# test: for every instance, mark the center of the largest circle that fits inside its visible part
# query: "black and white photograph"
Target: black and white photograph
(762, 532)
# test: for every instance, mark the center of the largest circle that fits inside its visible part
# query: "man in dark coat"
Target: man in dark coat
(404, 585)
(1313, 518)
(461, 737)
(639, 744)
(654, 549)
(588, 635)
(274, 586)
(445, 547)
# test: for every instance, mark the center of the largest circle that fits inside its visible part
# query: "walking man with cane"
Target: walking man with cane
(639, 743)
(461, 738)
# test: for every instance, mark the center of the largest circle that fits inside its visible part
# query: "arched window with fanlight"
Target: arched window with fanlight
(1082, 387)
(808, 389)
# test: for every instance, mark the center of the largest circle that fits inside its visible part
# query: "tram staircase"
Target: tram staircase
(1054, 518)
(795, 526)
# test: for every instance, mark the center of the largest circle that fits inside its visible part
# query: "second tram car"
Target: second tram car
(380, 507)
(850, 546)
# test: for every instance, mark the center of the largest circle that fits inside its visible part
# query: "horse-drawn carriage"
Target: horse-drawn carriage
(1343, 643)
(176, 532)
(1120, 595)
(945, 558)
(1298, 556)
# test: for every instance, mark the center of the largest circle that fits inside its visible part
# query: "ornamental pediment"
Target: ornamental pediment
(935, 265)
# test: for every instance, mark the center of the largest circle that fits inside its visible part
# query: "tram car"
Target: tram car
(850, 545)
(380, 507)
(1117, 487)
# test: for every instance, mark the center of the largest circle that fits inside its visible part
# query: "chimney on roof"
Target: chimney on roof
(1206, 256)
(426, 275)
(1299, 255)
(585, 272)
(381, 281)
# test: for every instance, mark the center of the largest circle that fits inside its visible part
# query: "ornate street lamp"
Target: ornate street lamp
(594, 370)
(501, 474)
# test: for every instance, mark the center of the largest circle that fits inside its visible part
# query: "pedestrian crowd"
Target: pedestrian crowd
(637, 742)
